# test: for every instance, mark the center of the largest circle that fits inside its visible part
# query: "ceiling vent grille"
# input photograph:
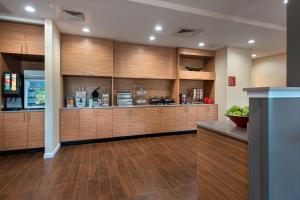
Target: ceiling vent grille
(71, 15)
(183, 32)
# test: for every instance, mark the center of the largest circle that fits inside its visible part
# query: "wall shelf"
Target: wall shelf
(191, 75)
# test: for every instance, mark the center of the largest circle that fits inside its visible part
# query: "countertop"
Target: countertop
(226, 128)
(34, 110)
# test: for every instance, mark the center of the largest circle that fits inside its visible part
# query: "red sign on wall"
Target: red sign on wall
(231, 81)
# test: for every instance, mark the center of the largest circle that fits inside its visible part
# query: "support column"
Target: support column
(274, 143)
(53, 89)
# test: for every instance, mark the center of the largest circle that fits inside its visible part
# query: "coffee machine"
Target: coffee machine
(12, 91)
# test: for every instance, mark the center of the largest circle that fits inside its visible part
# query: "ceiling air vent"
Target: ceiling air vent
(186, 32)
(71, 15)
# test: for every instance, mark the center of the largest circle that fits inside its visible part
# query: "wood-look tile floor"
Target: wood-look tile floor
(138, 169)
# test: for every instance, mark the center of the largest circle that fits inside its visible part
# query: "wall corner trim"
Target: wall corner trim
(53, 153)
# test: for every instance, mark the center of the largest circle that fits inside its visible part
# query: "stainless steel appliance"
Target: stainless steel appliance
(197, 95)
(124, 98)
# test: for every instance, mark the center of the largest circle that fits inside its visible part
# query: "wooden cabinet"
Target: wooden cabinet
(208, 113)
(86, 56)
(15, 131)
(104, 123)
(36, 127)
(87, 124)
(192, 117)
(137, 121)
(141, 61)
(180, 118)
(1, 131)
(69, 125)
(167, 119)
(153, 120)
(21, 38)
(121, 122)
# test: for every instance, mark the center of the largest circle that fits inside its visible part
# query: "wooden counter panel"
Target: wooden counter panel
(104, 123)
(121, 122)
(153, 121)
(167, 119)
(88, 124)
(222, 166)
(69, 125)
(1, 131)
(36, 127)
(192, 117)
(137, 121)
(180, 118)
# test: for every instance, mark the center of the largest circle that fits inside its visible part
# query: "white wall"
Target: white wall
(53, 87)
(270, 71)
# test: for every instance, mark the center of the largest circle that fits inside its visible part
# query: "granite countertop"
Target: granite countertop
(226, 128)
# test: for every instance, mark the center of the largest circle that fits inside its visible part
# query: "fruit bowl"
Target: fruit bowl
(240, 121)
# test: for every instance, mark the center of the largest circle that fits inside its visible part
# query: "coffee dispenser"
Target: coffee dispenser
(12, 91)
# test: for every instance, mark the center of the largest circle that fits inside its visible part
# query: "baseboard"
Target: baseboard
(53, 153)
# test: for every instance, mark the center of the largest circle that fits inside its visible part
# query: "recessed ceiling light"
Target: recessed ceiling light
(201, 44)
(253, 55)
(158, 28)
(29, 9)
(285, 1)
(152, 38)
(86, 30)
(251, 41)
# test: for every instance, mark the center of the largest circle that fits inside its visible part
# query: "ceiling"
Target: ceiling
(223, 22)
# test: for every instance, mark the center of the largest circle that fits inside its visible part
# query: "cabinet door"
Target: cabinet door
(104, 123)
(153, 120)
(12, 37)
(167, 119)
(36, 128)
(180, 118)
(137, 121)
(192, 117)
(35, 40)
(141, 61)
(1, 131)
(86, 56)
(120, 122)
(212, 112)
(88, 124)
(202, 113)
(69, 125)
(15, 131)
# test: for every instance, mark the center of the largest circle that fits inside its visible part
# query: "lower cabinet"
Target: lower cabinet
(208, 113)
(105, 123)
(36, 129)
(192, 118)
(15, 131)
(180, 118)
(153, 120)
(88, 124)
(167, 119)
(137, 121)
(1, 131)
(69, 125)
(121, 122)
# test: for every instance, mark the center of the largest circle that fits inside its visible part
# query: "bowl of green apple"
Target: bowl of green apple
(238, 115)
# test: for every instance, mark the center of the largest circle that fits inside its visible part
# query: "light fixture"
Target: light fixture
(285, 1)
(29, 9)
(152, 38)
(201, 44)
(251, 41)
(86, 30)
(253, 55)
(158, 28)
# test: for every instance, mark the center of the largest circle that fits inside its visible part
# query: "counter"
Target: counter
(16, 111)
(226, 128)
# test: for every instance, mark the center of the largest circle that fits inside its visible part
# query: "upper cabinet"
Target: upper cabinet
(21, 38)
(86, 56)
(141, 61)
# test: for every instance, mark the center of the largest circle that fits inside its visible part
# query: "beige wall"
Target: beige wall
(269, 71)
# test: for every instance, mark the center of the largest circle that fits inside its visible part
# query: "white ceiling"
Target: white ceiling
(224, 22)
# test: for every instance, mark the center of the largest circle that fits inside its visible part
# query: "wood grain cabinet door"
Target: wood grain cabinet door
(137, 121)
(167, 119)
(86, 56)
(15, 131)
(88, 124)
(36, 127)
(104, 123)
(192, 117)
(1, 131)
(121, 122)
(180, 118)
(153, 120)
(69, 125)
(202, 113)
(141, 61)
(212, 112)
(12, 37)
(35, 40)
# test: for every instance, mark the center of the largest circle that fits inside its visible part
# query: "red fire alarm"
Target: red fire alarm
(231, 81)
